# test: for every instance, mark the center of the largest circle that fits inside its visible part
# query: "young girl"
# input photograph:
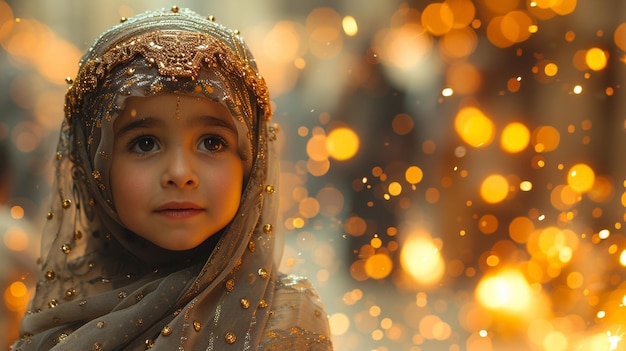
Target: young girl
(162, 225)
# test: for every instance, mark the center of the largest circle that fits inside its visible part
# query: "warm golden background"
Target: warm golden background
(454, 173)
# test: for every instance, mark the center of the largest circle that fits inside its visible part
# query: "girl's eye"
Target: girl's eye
(144, 144)
(212, 143)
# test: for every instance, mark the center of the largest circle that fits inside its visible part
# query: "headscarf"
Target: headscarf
(101, 286)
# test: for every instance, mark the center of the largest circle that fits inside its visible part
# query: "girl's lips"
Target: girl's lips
(179, 213)
(179, 210)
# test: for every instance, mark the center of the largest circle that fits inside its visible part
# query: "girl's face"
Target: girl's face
(176, 174)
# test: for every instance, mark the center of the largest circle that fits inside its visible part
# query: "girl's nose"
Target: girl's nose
(179, 171)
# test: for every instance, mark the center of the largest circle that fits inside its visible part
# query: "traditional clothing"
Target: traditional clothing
(104, 288)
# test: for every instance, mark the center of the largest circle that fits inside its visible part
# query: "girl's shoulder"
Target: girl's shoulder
(298, 320)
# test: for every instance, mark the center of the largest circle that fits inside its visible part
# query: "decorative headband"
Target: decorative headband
(174, 53)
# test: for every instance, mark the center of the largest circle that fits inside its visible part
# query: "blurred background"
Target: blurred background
(453, 172)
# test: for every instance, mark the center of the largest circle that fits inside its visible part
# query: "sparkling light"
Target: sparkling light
(438, 18)
(596, 59)
(350, 26)
(515, 137)
(339, 323)
(414, 175)
(494, 188)
(422, 260)
(506, 291)
(581, 177)
(342, 143)
(378, 266)
(474, 127)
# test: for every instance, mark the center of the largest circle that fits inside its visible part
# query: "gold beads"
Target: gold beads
(49, 215)
(251, 246)
(96, 174)
(167, 330)
(53, 303)
(78, 235)
(230, 285)
(50, 275)
(175, 9)
(69, 80)
(267, 228)
(70, 293)
(62, 337)
(66, 203)
(149, 344)
(263, 273)
(269, 189)
(123, 19)
(66, 248)
(245, 303)
(230, 338)
(197, 326)
(262, 304)
(211, 18)
(273, 130)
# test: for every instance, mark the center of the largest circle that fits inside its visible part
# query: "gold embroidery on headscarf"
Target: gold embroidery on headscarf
(174, 53)
(230, 337)
(177, 113)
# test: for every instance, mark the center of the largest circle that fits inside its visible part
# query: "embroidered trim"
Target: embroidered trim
(173, 53)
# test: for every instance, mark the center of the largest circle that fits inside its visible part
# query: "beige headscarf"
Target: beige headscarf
(102, 287)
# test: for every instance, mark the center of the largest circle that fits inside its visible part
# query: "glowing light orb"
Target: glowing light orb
(350, 26)
(339, 323)
(581, 177)
(438, 18)
(494, 188)
(422, 260)
(414, 175)
(395, 188)
(506, 291)
(378, 266)
(342, 143)
(16, 296)
(515, 137)
(596, 59)
(545, 138)
(474, 127)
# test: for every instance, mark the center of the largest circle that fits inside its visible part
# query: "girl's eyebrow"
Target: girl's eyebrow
(145, 122)
(212, 120)
(149, 122)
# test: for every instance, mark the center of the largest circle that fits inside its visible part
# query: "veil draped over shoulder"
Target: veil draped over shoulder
(101, 287)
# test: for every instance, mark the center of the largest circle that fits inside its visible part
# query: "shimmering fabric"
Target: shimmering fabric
(101, 287)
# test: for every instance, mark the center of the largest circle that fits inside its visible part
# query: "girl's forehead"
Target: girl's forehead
(182, 108)
(165, 102)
